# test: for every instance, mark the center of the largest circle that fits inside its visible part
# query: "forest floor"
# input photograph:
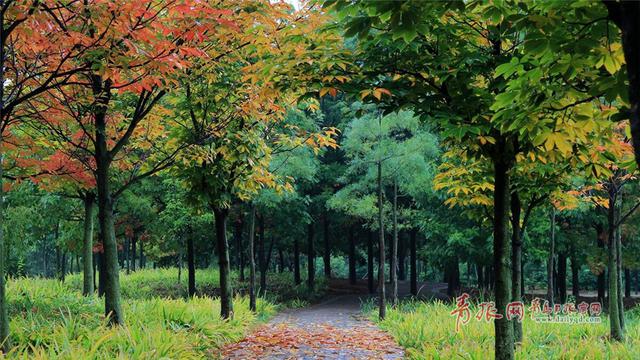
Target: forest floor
(333, 329)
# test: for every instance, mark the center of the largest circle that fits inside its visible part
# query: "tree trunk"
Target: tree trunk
(252, 258)
(134, 241)
(627, 283)
(602, 276)
(103, 157)
(191, 265)
(311, 253)
(618, 236)
(402, 255)
(352, 256)
(296, 261)
(413, 259)
(280, 260)
(614, 315)
(239, 247)
(562, 277)
(63, 266)
(370, 282)
(87, 246)
(327, 247)
(394, 248)
(127, 256)
(452, 276)
(480, 275)
(575, 277)
(551, 259)
(101, 274)
(516, 260)
(625, 15)
(382, 307)
(504, 343)
(226, 296)
(142, 262)
(262, 257)
(522, 283)
(489, 279)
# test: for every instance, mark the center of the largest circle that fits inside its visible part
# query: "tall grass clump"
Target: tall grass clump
(427, 331)
(52, 320)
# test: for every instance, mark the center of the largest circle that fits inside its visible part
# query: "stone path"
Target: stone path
(334, 329)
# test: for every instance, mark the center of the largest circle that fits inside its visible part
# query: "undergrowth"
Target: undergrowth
(50, 319)
(427, 331)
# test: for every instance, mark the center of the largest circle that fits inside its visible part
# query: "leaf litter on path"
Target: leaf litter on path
(315, 341)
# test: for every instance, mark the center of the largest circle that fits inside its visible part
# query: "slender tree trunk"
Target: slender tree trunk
(252, 258)
(280, 260)
(394, 248)
(191, 265)
(575, 277)
(480, 275)
(413, 259)
(618, 236)
(352, 256)
(87, 246)
(614, 316)
(602, 276)
(516, 260)
(452, 276)
(296, 261)
(627, 283)
(101, 274)
(551, 259)
(504, 342)
(63, 266)
(402, 254)
(488, 275)
(522, 283)
(142, 261)
(134, 241)
(226, 296)
(239, 247)
(262, 257)
(95, 270)
(382, 307)
(370, 275)
(562, 277)
(311, 254)
(267, 263)
(327, 247)
(126, 253)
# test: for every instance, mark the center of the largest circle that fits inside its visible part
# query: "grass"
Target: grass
(427, 331)
(146, 283)
(50, 319)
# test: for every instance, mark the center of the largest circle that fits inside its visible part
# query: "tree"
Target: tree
(468, 93)
(31, 39)
(135, 48)
(384, 153)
